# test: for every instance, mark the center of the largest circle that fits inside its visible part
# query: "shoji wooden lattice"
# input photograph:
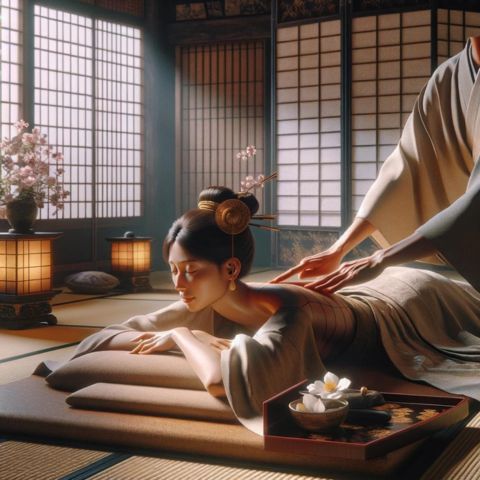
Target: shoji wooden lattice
(11, 77)
(454, 28)
(88, 98)
(130, 7)
(220, 111)
(391, 63)
(308, 113)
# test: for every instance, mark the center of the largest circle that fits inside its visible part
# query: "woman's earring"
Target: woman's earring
(232, 286)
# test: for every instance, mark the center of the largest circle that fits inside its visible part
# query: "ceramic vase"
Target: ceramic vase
(21, 213)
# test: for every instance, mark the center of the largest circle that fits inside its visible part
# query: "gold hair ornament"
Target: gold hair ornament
(208, 205)
(232, 216)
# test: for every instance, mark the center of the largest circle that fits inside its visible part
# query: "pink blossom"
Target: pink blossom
(29, 181)
(43, 168)
(51, 181)
(26, 171)
(251, 151)
(7, 162)
(25, 163)
(21, 125)
(28, 138)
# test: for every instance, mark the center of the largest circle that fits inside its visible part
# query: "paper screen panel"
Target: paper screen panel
(88, 98)
(391, 63)
(308, 124)
(63, 100)
(221, 112)
(454, 28)
(11, 81)
(119, 120)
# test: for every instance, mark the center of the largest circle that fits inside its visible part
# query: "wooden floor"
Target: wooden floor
(80, 315)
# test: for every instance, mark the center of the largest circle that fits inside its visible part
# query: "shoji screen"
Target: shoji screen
(63, 96)
(308, 124)
(221, 111)
(391, 63)
(11, 31)
(454, 28)
(88, 98)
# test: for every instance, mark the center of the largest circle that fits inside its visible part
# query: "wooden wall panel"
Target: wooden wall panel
(221, 112)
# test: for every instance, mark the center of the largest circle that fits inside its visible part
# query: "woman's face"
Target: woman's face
(199, 282)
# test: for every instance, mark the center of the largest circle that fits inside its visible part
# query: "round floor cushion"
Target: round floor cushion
(91, 282)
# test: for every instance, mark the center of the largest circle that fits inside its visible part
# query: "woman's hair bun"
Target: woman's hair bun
(220, 194)
(250, 201)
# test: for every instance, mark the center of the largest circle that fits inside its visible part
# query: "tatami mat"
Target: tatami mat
(24, 367)
(105, 311)
(34, 461)
(67, 297)
(141, 468)
(21, 342)
(156, 296)
(461, 459)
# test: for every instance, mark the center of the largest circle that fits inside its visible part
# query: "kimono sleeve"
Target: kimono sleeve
(456, 231)
(174, 315)
(283, 352)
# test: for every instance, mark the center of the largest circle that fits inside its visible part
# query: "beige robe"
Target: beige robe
(433, 173)
(429, 326)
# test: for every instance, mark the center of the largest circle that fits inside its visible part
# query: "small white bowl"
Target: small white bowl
(335, 413)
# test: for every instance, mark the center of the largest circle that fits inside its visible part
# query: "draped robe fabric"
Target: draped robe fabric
(431, 181)
(429, 326)
(287, 349)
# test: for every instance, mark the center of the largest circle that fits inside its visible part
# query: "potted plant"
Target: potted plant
(30, 177)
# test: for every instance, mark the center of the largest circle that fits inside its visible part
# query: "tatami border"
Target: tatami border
(96, 467)
(38, 352)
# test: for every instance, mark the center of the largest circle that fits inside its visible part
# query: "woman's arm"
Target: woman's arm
(203, 358)
(327, 261)
(201, 350)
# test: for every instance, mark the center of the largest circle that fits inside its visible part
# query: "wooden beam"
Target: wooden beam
(219, 30)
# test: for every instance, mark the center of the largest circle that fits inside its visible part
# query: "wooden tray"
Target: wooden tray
(413, 417)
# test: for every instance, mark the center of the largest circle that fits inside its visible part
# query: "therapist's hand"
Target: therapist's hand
(414, 247)
(350, 273)
(317, 265)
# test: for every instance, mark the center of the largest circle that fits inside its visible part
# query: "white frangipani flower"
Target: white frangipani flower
(313, 404)
(331, 387)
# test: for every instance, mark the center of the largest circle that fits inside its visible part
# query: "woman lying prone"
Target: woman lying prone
(244, 340)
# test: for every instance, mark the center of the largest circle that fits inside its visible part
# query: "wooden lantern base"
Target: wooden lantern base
(25, 311)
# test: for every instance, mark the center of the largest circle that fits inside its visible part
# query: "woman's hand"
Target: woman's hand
(216, 343)
(317, 265)
(349, 273)
(152, 342)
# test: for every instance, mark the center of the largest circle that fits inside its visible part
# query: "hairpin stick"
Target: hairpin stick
(265, 227)
(272, 175)
(265, 217)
